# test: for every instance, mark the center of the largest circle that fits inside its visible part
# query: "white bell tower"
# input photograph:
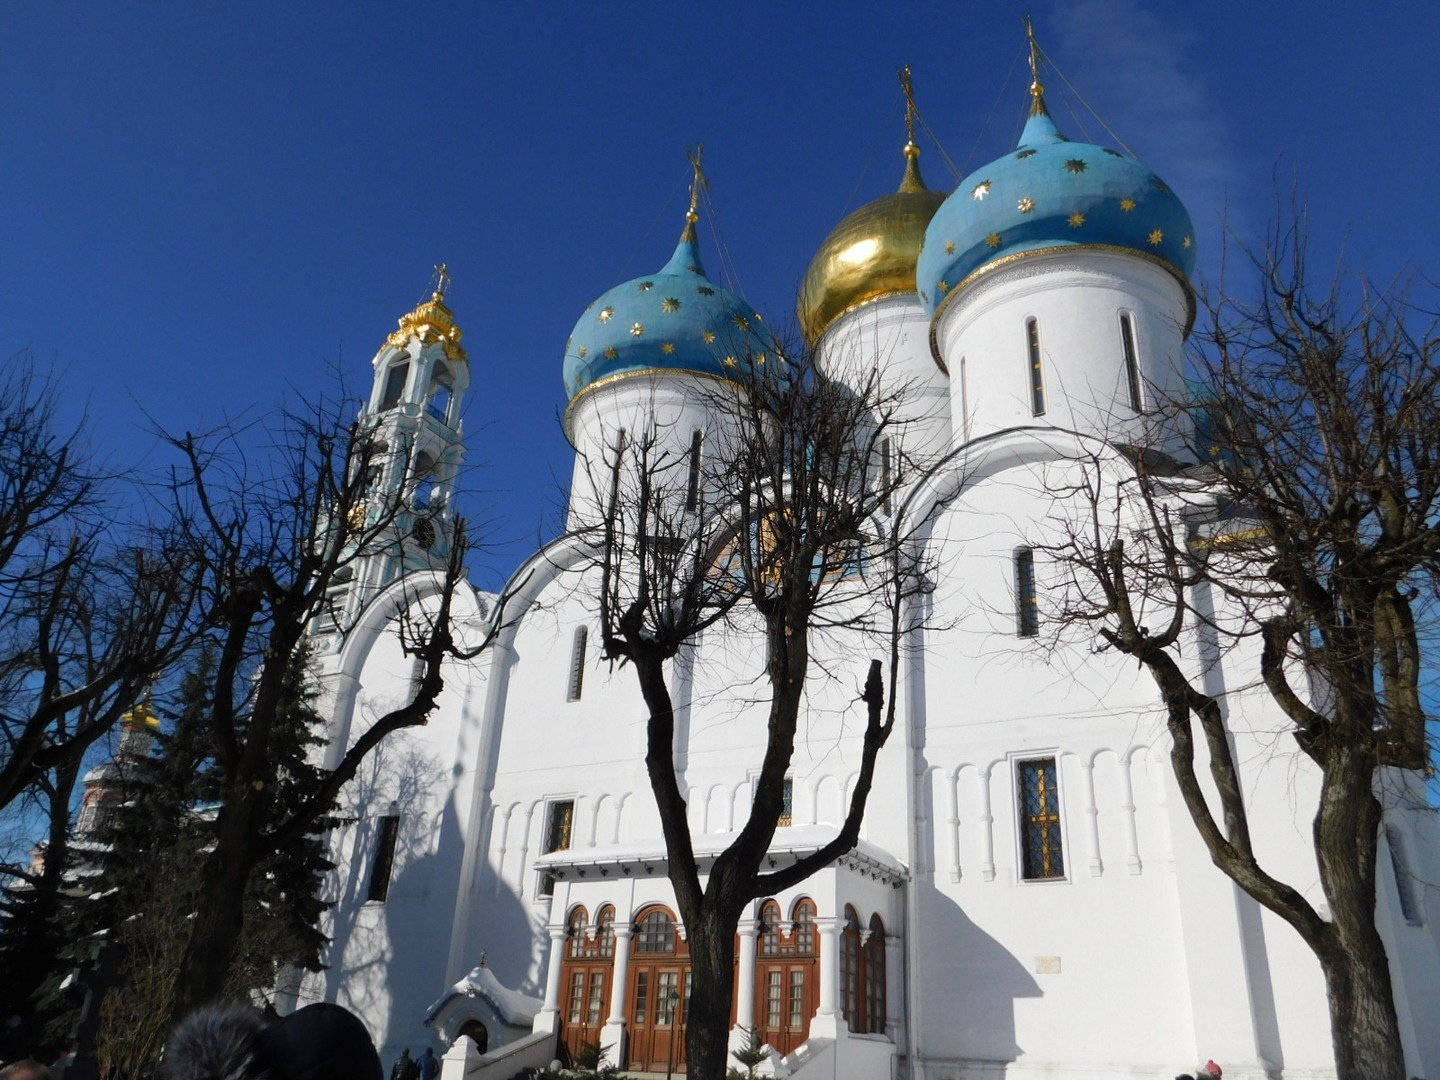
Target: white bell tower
(413, 413)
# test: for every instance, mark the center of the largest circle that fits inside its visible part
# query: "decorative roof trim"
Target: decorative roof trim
(636, 373)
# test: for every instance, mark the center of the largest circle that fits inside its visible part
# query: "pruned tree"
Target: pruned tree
(1302, 552)
(276, 545)
(789, 532)
(94, 604)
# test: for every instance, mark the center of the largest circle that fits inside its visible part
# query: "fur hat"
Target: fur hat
(319, 1042)
(215, 1042)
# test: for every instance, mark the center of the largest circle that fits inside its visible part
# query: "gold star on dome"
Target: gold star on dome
(980, 190)
(704, 290)
(611, 353)
(670, 305)
(646, 286)
(760, 360)
(729, 361)
(1187, 243)
(1023, 154)
(606, 314)
(637, 330)
(1076, 220)
(1156, 235)
(667, 347)
(584, 352)
(1074, 165)
(993, 240)
(1026, 205)
(943, 286)
(709, 336)
(741, 322)
(950, 247)
(758, 318)
(1127, 204)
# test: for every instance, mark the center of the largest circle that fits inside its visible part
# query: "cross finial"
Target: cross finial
(1037, 88)
(907, 85)
(442, 280)
(700, 181)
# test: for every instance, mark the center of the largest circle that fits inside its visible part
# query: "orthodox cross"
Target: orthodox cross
(907, 85)
(442, 280)
(699, 181)
(1037, 88)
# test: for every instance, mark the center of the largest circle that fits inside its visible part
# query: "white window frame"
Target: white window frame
(1013, 760)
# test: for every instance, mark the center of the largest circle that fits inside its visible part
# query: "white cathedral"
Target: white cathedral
(1028, 897)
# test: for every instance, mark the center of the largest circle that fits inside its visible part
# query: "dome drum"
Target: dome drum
(1041, 341)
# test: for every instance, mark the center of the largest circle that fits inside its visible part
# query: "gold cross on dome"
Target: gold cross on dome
(1037, 88)
(442, 280)
(699, 181)
(907, 86)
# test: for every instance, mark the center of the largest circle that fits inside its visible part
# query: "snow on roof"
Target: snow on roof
(513, 1007)
(788, 845)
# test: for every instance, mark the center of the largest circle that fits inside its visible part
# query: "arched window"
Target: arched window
(805, 927)
(575, 932)
(850, 961)
(577, 665)
(875, 977)
(395, 380)
(1037, 373)
(657, 933)
(605, 931)
(1027, 603)
(441, 391)
(771, 923)
(1132, 360)
(692, 493)
(424, 480)
(1404, 883)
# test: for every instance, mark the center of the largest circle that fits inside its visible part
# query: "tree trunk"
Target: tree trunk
(712, 964)
(221, 909)
(1363, 1024)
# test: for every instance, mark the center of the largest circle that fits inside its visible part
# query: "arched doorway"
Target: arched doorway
(478, 1034)
(659, 993)
(785, 980)
(585, 977)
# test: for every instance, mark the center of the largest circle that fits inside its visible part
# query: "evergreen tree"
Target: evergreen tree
(117, 928)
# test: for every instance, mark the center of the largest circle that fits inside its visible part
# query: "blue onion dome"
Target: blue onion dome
(675, 319)
(1048, 194)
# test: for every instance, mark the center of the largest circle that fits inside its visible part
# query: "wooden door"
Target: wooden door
(786, 984)
(658, 996)
(587, 992)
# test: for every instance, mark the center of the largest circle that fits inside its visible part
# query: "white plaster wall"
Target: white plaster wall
(383, 961)
(893, 335)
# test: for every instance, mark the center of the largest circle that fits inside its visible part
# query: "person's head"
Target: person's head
(26, 1069)
(233, 1042)
(405, 1053)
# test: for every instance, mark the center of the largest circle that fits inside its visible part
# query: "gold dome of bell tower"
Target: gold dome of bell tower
(872, 253)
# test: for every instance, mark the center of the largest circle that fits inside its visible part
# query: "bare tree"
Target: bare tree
(1302, 551)
(94, 605)
(275, 545)
(786, 534)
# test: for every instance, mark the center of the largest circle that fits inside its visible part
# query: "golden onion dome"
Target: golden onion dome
(871, 254)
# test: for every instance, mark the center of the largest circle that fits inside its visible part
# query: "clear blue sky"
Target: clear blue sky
(207, 207)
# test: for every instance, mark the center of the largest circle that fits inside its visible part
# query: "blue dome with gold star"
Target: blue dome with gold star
(673, 320)
(1051, 193)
